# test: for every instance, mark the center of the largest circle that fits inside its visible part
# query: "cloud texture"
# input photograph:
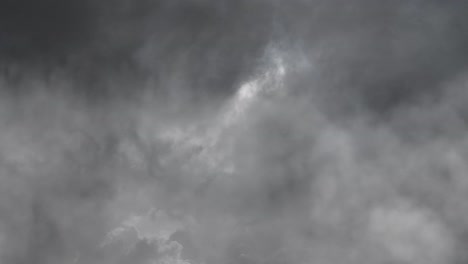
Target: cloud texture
(222, 132)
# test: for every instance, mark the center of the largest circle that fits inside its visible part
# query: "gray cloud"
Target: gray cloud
(262, 131)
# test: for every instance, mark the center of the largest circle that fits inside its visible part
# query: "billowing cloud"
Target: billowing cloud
(264, 131)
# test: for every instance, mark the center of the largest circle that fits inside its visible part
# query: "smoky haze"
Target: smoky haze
(233, 132)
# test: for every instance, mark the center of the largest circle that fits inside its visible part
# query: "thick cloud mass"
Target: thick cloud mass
(247, 131)
(38, 29)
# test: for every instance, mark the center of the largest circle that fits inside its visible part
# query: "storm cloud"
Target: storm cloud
(261, 131)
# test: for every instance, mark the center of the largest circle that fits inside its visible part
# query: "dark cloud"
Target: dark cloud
(380, 55)
(42, 29)
(268, 131)
(211, 46)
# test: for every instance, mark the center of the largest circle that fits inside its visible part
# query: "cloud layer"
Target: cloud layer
(199, 131)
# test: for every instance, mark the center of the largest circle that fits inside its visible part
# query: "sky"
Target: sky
(233, 132)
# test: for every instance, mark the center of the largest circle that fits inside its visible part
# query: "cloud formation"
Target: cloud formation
(261, 131)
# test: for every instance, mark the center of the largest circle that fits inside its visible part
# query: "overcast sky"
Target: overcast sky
(233, 131)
